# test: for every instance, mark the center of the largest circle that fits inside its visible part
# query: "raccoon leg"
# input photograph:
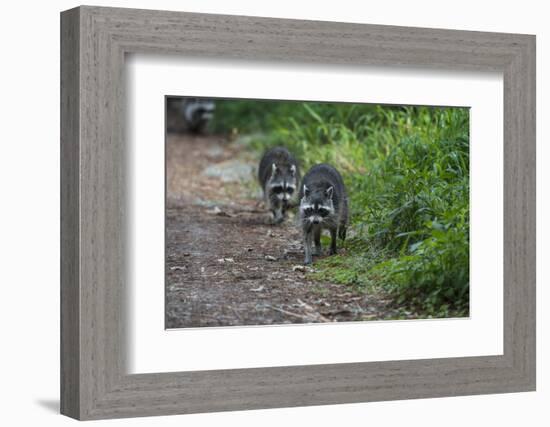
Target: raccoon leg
(332, 241)
(283, 211)
(342, 231)
(278, 215)
(317, 240)
(308, 237)
(276, 211)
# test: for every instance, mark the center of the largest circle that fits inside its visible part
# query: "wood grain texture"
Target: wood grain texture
(70, 221)
(94, 270)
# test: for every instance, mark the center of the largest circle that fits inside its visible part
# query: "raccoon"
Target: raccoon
(323, 205)
(189, 114)
(279, 176)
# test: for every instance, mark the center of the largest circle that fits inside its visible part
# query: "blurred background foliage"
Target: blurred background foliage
(407, 175)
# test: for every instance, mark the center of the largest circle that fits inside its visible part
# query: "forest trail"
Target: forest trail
(225, 264)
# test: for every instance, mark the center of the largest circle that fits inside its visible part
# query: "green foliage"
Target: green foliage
(407, 174)
(248, 116)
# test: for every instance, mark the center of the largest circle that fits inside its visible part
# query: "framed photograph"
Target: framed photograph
(258, 190)
(261, 213)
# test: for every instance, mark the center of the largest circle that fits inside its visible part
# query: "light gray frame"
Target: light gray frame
(94, 42)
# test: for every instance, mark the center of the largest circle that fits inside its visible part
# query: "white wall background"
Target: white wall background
(29, 212)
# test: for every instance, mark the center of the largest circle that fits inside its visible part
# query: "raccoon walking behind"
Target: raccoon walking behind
(279, 178)
(323, 205)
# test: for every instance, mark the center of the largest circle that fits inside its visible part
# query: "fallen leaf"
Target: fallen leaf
(217, 211)
(302, 268)
(214, 211)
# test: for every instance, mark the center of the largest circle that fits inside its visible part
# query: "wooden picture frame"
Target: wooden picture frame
(94, 41)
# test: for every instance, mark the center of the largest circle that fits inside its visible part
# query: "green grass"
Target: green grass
(407, 174)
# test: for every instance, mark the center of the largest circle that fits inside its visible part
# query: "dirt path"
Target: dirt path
(225, 264)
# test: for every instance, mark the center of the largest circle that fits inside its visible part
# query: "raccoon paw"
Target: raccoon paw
(278, 219)
(272, 220)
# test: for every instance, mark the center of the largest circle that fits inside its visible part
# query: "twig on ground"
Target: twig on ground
(312, 316)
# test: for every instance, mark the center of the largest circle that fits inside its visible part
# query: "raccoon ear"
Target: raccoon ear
(329, 192)
(293, 170)
(306, 191)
